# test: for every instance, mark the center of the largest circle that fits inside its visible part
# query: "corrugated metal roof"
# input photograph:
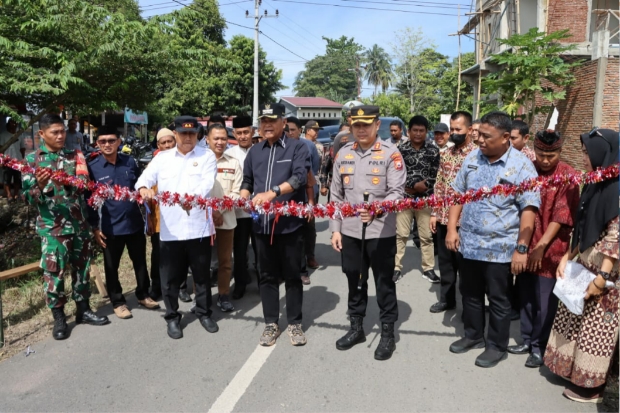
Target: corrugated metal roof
(311, 102)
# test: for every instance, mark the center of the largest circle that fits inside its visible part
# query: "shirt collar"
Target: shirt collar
(503, 158)
(282, 142)
(64, 151)
(178, 153)
(463, 149)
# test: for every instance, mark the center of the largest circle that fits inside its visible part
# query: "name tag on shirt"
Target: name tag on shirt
(284, 160)
(225, 171)
(474, 167)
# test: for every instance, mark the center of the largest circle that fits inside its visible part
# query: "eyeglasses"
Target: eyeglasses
(104, 142)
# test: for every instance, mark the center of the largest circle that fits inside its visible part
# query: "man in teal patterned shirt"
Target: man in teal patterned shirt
(493, 237)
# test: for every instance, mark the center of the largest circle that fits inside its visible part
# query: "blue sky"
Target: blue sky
(299, 27)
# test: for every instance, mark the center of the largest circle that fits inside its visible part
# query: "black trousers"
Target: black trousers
(478, 278)
(448, 267)
(309, 238)
(380, 256)
(538, 308)
(112, 253)
(155, 278)
(280, 259)
(176, 258)
(243, 232)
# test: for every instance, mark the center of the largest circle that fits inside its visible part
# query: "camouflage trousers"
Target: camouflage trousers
(58, 255)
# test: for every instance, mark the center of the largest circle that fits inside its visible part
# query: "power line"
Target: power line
(191, 6)
(364, 8)
(431, 2)
(285, 48)
(151, 7)
(287, 35)
(245, 27)
(311, 42)
(410, 5)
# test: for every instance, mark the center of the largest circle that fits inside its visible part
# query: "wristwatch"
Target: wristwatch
(604, 274)
(522, 249)
(276, 189)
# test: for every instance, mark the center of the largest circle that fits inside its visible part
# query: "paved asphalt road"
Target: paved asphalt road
(132, 365)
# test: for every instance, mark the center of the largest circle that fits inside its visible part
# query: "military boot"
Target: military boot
(60, 331)
(387, 344)
(85, 315)
(354, 336)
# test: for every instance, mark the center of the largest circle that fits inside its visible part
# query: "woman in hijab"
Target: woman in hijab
(581, 347)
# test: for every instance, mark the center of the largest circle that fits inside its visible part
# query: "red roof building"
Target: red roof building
(324, 111)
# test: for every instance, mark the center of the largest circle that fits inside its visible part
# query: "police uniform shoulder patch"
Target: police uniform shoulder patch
(398, 164)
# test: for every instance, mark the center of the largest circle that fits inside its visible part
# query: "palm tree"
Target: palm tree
(378, 68)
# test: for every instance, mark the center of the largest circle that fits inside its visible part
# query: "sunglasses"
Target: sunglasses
(102, 142)
(595, 132)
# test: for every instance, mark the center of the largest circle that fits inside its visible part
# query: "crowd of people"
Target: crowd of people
(507, 250)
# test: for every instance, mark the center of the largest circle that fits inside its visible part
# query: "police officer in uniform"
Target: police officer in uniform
(374, 166)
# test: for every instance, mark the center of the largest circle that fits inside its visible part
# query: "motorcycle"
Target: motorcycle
(142, 152)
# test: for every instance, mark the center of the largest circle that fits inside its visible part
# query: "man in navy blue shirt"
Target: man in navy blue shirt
(119, 223)
(276, 169)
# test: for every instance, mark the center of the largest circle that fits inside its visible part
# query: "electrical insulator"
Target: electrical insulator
(265, 12)
(247, 13)
(277, 12)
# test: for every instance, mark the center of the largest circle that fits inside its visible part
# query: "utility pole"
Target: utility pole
(257, 19)
(358, 76)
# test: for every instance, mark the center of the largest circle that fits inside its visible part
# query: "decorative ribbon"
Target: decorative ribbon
(101, 193)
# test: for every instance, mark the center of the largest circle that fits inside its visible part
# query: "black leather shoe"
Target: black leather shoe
(431, 277)
(519, 349)
(397, 276)
(174, 329)
(184, 296)
(534, 360)
(238, 292)
(60, 331)
(209, 324)
(354, 336)
(463, 345)
(85, 315)
(440, 307)
(387, 344)
(490, 357)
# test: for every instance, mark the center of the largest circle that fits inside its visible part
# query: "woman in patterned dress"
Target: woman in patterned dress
(581, 347)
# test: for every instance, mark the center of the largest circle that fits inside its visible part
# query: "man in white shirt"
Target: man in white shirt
(74, 139)
(242, 129)
(12, 178)
(184, 231)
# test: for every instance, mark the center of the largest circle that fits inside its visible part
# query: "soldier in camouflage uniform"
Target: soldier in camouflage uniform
(61, 224)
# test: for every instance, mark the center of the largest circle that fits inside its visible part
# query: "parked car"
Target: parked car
(327, 135)
(384, 129)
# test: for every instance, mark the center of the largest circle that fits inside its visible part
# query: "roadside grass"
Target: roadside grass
(26, 318)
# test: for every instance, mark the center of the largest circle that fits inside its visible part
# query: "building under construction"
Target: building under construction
(592, 99)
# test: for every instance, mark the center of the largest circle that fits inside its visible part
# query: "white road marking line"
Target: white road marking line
(242, 380)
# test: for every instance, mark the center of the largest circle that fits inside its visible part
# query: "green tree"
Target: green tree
(408, 48)
(82, 56)
(531, 66)
(378, 70)
(239, 81)
(391, 104)
(332, 74)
